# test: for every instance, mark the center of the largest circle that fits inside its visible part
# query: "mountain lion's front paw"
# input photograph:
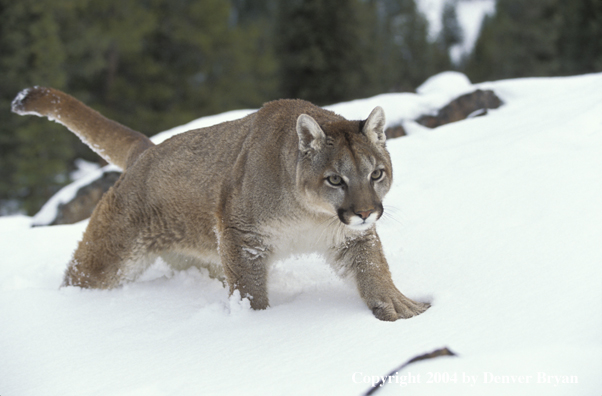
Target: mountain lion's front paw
(391, 305)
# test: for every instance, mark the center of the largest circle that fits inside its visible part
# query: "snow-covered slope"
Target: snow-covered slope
(497, 220)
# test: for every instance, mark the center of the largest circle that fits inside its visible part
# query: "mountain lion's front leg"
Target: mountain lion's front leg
(364, 259)
(244, 257)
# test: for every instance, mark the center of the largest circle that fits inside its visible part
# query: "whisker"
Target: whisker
(326, 225)
(392, 208)
(393, 213)
(388, 216)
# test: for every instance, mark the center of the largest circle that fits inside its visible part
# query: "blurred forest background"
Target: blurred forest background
(156, 64)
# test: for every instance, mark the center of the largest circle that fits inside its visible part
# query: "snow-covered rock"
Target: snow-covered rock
(474, 104)
(76, 201)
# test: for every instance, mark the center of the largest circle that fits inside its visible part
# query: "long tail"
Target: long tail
(114, 142)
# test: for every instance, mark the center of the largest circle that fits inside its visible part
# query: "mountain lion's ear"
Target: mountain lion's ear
(374, 127)
(310, 133)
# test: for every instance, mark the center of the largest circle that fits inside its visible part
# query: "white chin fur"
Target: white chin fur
(358, 224)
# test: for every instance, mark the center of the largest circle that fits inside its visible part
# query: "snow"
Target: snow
(432, 10)
(201, 123)
(401, 108)
(496, 220)
(445, 83)
(83, 168)
(470, 14)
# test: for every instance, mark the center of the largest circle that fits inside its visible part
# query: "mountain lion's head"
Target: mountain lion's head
(344, 168)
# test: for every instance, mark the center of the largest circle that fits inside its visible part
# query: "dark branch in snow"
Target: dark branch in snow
(437, 353)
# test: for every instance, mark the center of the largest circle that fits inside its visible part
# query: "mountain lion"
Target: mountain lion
(290, 178)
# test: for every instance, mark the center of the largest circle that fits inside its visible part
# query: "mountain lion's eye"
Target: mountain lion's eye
(377, 174)
(334, 180)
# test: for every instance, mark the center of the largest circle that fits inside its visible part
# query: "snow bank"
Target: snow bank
(201, 123)
(496, 220)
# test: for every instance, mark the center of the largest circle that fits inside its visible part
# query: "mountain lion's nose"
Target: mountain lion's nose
(364, 213)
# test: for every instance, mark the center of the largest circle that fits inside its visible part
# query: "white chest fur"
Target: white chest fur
(306, 236)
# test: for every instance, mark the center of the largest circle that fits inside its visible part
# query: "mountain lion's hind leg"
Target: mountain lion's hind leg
(364, 259)
(106, 256)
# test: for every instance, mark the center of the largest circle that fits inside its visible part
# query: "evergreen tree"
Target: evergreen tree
(33, 155)
(105, 42)
(169, 62)
(406, 54)
(519, 40)
(318, 44)
(149, 64)
(580, 37)
(451, 33)
(539, 38)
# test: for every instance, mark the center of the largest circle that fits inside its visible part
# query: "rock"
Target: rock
(395, 131)
(85, 200)
(468, 105)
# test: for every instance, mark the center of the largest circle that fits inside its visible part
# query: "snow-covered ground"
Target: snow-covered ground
(497, 220)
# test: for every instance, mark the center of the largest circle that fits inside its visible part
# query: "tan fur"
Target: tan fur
(114, 142)
(287, 179)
